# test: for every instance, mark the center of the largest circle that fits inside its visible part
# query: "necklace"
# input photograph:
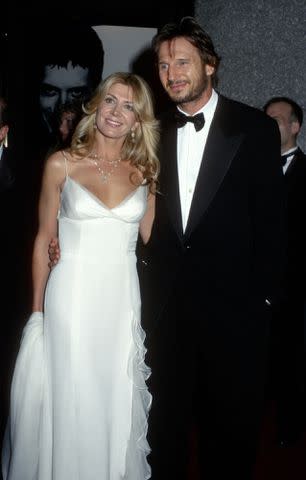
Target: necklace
(97, 160)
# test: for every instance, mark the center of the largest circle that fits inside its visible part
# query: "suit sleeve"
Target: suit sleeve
(268, 211)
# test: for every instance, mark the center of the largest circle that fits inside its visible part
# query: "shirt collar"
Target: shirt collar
(209, 108)
(291, 150)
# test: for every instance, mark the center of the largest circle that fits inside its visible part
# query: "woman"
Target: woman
(79, 399)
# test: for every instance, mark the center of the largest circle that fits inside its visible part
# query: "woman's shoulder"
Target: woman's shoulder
(59, 158)
(56, 165)
(56, 158)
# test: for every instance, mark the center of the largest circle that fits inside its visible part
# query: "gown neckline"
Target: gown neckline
(97, 199)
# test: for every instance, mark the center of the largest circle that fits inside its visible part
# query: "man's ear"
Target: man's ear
(210, 70)
(295, 127)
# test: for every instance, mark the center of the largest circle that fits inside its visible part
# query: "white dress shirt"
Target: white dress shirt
(190, 148)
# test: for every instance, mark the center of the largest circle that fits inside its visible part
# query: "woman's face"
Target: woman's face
(115, 117)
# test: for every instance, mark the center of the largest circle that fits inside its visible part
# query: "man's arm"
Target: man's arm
(146, 222)
(268, 210)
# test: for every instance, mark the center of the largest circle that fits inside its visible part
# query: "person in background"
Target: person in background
(68, 116)
(81, 361)
(287, 335)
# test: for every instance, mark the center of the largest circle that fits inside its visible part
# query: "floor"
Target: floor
(276, 463)
(273, 463)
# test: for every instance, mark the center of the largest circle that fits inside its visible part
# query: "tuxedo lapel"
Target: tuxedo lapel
(169, 183)
(221, 147)
(292, 163)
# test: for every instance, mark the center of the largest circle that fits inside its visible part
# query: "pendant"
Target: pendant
(97, 162)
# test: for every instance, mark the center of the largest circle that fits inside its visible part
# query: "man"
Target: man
(287, 354)
(211, 267)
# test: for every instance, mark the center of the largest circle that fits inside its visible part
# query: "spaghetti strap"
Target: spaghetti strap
(65, 159)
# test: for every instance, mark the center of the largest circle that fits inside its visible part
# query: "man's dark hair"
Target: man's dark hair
(296, 110)
(4, 113)
(69, 42)
(188, 28)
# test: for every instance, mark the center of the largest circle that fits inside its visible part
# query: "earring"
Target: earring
(133, 136)
(95, 126)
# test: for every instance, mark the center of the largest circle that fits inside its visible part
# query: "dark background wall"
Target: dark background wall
(262, 45)
(136, 13)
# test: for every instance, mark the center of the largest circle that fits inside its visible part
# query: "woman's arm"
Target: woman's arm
(49, 202)
(146, 223)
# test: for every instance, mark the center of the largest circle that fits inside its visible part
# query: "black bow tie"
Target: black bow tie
(285, 157)
(198, 120)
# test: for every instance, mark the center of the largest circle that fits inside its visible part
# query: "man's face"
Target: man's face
(61, 85)
(282, 113)
(182, 73)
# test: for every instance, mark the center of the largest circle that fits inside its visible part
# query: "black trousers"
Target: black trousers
(201, 378)
(287, 367)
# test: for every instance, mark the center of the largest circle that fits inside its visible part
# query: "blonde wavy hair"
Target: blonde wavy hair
(139, 151)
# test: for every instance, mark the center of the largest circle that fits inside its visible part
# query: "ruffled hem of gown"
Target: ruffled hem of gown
(22, 431)
(139, 372)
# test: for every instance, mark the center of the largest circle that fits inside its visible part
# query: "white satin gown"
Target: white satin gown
(79, 401)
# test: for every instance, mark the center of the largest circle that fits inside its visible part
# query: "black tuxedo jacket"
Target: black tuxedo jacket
(295, 182)
(230, 258)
